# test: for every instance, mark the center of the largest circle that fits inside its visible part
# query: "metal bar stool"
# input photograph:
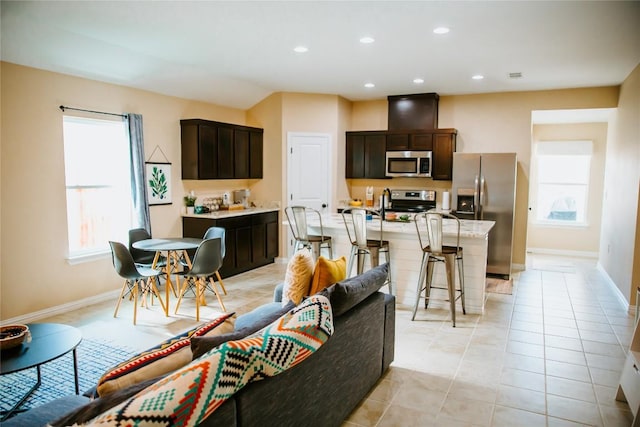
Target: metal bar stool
(297, 219)
(355, 220)
(429, 229)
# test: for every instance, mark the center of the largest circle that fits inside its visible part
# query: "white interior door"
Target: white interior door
(308, 166)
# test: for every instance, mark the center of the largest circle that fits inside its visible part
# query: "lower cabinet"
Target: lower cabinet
(251, 241)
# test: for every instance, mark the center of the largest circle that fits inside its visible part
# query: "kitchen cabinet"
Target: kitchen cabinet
(365, 154)
(409, 141)
(366, 150)
(444, 145)
(215, 150)
(251, 240)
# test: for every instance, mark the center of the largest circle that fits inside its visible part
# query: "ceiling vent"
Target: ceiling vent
(515, 75)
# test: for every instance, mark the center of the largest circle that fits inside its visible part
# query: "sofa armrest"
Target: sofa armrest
(388, 352)
(277, 292)
(42, 415)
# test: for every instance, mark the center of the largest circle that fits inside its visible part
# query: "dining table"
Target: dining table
(175, 250)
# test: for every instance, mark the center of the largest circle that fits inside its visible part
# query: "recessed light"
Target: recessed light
(441, 30)
(418, 81)
(367, 40)
(369, 85)
(300, 49)
(477, 77)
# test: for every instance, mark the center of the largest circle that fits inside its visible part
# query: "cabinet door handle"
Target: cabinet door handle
(635, 367)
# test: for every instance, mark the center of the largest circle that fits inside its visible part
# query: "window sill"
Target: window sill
(88, 257)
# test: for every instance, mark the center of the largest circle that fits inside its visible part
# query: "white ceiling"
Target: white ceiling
(237, 53)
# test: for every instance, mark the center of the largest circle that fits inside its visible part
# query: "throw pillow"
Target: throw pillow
(166, 357)
(327, 272)
(189, 395)
(350, 292)
(246, 324)
(297, 279)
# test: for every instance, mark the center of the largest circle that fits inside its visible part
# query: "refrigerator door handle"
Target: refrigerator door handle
(481, 204)
(476, 200)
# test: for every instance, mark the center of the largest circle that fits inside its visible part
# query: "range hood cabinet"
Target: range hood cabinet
(417, 111)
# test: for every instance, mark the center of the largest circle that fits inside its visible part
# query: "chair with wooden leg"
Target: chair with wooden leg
(211, 233)
(199, 277)
(144, 258)
(429, 229)
(138, 280)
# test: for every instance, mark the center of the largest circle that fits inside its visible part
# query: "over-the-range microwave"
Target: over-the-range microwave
(408, 164)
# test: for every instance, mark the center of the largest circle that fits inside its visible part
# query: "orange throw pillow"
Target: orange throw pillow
(327, 272)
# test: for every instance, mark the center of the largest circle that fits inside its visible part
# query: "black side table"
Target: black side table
(49, 341)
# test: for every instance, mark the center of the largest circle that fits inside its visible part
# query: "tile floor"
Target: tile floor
(548, 355)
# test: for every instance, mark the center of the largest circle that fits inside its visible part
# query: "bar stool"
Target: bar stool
(297, 219)
(429, 229)
(355, 220)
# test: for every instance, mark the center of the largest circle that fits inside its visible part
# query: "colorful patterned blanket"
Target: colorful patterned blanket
(194, 392)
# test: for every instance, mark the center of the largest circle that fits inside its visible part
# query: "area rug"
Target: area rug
(499, 286)
(94, 358)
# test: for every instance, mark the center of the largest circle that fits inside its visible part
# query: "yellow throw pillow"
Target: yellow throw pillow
(297, 279)
(328, 272)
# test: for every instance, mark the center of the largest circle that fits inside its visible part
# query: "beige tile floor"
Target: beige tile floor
(548, 355)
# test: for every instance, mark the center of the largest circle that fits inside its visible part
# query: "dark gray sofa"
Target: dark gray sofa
(320, 391)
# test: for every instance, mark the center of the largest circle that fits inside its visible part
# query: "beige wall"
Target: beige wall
(33, 217)
(35, 273)
(586, 239)
(619, 248)
(491, 123)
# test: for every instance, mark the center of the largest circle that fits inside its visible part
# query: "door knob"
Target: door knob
(324, 205)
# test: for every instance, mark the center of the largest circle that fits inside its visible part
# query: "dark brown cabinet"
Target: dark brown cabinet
(215, 150)
(251, 240)
(365, 156)
(444, 145)
(366, 150)
(409, 141)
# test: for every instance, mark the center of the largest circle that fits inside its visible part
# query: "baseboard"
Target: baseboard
(64, 308)
(630, 309)
(518, 267)
(562, 252)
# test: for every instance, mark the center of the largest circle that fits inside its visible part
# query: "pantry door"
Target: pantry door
(308, 177)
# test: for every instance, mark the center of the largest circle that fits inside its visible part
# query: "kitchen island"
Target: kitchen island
(406, 256)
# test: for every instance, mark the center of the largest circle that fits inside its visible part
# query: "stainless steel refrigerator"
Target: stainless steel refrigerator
(484, 188)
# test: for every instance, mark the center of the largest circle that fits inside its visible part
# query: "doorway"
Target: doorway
(308, 173)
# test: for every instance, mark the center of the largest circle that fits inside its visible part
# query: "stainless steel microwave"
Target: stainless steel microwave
(408, 163)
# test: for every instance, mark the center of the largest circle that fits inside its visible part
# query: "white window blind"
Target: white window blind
(563, 173)
(98, 184)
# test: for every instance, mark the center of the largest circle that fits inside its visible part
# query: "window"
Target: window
(98, 184)
(563, 170)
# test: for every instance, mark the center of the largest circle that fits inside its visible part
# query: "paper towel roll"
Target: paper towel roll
(445, 201)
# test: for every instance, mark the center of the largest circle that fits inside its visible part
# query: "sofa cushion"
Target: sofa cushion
(327, 272)
(346, 294)
(42, 415)
(194, 392)
(246, 325)
(297, 278)
(161, 359)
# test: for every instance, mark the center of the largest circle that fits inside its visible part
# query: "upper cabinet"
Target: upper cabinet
(366, 151)
(365, 156)
(215, 150)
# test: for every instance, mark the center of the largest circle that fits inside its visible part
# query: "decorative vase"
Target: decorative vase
(189, 210)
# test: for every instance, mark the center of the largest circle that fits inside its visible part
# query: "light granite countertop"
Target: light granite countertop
(230, 214)
(468, 228)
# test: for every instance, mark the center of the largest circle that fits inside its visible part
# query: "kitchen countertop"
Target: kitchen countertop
(468, 228)
(230, 214)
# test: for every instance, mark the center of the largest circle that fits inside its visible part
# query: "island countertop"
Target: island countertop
(468, 228)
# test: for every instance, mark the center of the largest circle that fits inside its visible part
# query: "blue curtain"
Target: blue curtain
(138, 179)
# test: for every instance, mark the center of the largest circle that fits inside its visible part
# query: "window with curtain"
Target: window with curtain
(98, 184)
(563, 170)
